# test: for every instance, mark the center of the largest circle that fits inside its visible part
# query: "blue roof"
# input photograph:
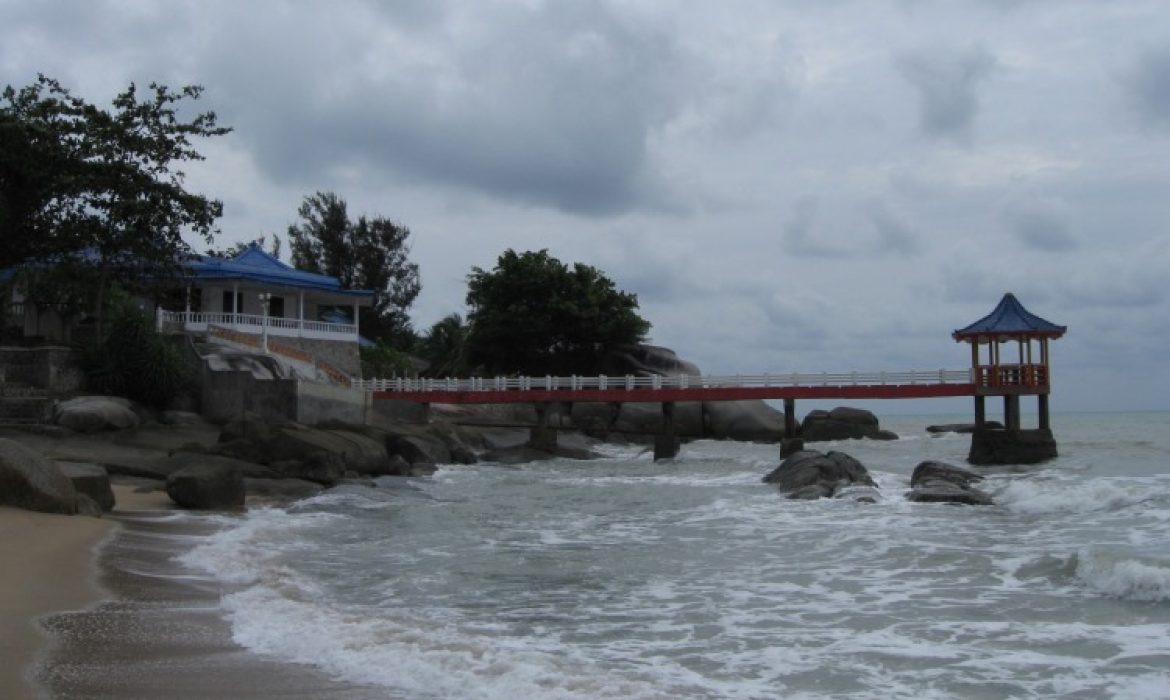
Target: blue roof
(1010, 319)
(257, 266)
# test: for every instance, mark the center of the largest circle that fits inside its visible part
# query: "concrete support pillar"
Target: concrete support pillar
(542, 436)
(666, 443)
(1042, 409)
(1011, 412)
(789, 418)
(980, 411)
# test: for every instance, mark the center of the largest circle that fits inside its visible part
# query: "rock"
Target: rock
(207, 487)
(809, 474)
(90, 480)
(646, 360)
(88, 506)
(990, 447)
(180, 418)
(325, 468)
(962, 428)
(418, 449)
(939, 482)
(842, 423)
(280, 490)
(790, 446)
(746, 421)
(522, 454)
(93, 414)
(31, 481)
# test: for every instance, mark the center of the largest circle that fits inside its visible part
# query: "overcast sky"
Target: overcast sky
(787, 186)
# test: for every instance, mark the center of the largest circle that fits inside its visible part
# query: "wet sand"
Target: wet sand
(48, 565)
(161, 632)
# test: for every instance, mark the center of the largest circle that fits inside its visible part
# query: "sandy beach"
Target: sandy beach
(50, 566)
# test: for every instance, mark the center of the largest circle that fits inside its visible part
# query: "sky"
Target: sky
(810, 185)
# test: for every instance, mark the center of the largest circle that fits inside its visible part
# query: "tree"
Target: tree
(444, 346)
(96, 190)
(534, 315)
(237, 248)
(371, 253)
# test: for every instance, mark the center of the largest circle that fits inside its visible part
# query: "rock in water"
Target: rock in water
(809, 474)
(31, 481)
(207, 487)
(939, 482)
(842, 423)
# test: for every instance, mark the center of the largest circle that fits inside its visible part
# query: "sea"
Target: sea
(622, 577)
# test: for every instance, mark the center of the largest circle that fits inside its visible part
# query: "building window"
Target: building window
(276, 307)
(227, 303)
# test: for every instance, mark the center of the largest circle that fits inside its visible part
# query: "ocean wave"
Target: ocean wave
(1124, 576)
(244, 553)
(418, 657)
(1045, 497)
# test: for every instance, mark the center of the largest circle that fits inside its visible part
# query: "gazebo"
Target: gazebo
(1010, 323)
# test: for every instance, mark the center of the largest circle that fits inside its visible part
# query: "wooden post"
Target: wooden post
(666, 443)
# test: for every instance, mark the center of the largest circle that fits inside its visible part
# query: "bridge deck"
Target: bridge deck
(853, 385)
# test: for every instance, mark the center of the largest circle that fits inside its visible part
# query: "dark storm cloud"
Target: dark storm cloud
(1148, 87)
(548, 106)
(873, 230)
(947, 81)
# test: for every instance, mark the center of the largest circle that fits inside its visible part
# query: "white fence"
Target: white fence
(198, 322)
(631, 383)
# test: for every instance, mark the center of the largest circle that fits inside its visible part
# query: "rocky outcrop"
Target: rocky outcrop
(94, 414)
(842, 423)
(749, 421)
(939, 482)
(91, 480)
(809, 474)
(646, 360)
(31, 481)
(961, 428)
(207, 487)
(993, 447)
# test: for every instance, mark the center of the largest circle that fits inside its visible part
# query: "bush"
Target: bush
(134, 361)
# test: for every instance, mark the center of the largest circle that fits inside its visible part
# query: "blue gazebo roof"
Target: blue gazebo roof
(255, 265)
(1009, 319)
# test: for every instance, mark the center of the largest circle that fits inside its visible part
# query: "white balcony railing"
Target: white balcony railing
(199, 321)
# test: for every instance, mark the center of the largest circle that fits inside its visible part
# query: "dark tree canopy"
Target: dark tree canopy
(79, 181)
(535, 315)
(444, 347)
(371, 253)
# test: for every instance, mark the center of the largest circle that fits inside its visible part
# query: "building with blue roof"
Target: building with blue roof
(248, 298)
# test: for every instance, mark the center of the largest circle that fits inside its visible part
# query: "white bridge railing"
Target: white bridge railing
(631, 383)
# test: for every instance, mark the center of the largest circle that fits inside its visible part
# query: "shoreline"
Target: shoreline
(63, 550)
(157, 629)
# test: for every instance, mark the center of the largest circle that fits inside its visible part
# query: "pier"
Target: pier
(991, 374)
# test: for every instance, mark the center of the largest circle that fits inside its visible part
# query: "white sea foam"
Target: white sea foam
(1055, 496)
(1124, 576)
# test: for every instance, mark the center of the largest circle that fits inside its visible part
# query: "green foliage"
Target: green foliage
(366, 254)
(134, 361)
(535, 315)
(444, 347)
(383, 361)
(97, 187)
(234, 250)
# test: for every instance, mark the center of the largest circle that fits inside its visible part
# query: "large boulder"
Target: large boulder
(207, 487)
(809, 474)
(31, 481)
(939, 482)
(91, 480)
(94, 414)
(323, 454)
(646, 360)
(842, 423)
(747, 421)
